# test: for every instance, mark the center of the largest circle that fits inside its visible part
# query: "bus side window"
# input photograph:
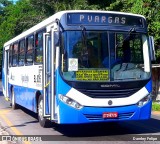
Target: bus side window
(29, 50)
(39, 47)
(15, 54)
(10, 55)
(21, 52)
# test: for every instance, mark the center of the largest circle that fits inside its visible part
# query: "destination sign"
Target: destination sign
(103, 19)
(92, 75)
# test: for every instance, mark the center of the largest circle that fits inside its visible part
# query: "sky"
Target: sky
(13, 0)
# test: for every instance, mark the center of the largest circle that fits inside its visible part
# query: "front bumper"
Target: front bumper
(69, 115)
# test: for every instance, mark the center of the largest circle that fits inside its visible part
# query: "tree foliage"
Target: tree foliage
(16, 18)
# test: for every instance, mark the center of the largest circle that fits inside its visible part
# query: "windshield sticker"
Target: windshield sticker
(92, 75)
(73, 64)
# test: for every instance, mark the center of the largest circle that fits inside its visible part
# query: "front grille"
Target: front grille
(99, 117)
(109, 93)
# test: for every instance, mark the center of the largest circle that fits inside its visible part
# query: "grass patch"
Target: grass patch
(155, 106)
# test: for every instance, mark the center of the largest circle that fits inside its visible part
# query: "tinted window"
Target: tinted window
(21, 52)
(39, 47)
(15, 54)
(29, 51)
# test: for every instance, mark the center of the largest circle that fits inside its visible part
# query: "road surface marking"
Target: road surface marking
(10, 124)
(4, 111)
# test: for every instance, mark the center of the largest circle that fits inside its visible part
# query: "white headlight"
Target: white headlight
(70, 102)
(143, 101)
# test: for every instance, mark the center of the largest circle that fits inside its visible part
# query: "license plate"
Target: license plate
(110, 115)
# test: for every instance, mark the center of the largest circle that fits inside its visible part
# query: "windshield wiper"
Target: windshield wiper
(84, 37)
(133, 29)
(84, 54)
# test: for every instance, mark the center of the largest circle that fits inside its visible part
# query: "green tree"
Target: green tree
(17, 18)
(3, 4)
(44, 8)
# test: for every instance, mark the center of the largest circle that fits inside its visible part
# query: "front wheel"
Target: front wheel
(43, 121)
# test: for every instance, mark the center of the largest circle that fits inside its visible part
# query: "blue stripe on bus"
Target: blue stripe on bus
(69, 115)
(61, 86)
(3, 79)
(25, 97)
(149, 86)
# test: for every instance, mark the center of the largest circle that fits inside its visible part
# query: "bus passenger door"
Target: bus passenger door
(46, 74)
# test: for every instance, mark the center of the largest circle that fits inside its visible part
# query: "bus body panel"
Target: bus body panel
(25, 97)
(5, 71)
(3, 81)
(93, 113)
(98, 102)
(27, 76)
(26, 81)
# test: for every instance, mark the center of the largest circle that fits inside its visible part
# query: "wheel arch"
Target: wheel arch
(10, 91)
(37, 94)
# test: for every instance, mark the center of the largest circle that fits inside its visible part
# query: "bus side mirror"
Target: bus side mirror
(152, 48)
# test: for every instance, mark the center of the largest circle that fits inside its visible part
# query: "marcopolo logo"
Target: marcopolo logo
(110, 86)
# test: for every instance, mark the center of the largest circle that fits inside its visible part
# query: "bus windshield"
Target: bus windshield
(104, 56)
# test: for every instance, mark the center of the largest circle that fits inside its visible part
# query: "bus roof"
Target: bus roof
(58, 15)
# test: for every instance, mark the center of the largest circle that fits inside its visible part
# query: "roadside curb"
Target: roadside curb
(156, 113)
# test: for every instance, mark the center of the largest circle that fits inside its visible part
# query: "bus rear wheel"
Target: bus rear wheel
(43, 121)
(13, 100)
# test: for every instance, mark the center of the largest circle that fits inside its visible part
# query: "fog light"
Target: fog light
(143, 101)
(70, 102)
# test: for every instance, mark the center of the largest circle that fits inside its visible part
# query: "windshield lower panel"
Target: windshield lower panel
(103, 56)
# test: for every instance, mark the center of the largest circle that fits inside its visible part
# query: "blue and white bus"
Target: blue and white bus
(81, 66)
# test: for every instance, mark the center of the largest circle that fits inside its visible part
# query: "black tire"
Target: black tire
(13, 100)
(43, 121)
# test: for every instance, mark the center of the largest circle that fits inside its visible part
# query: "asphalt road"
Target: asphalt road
(22, 124)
